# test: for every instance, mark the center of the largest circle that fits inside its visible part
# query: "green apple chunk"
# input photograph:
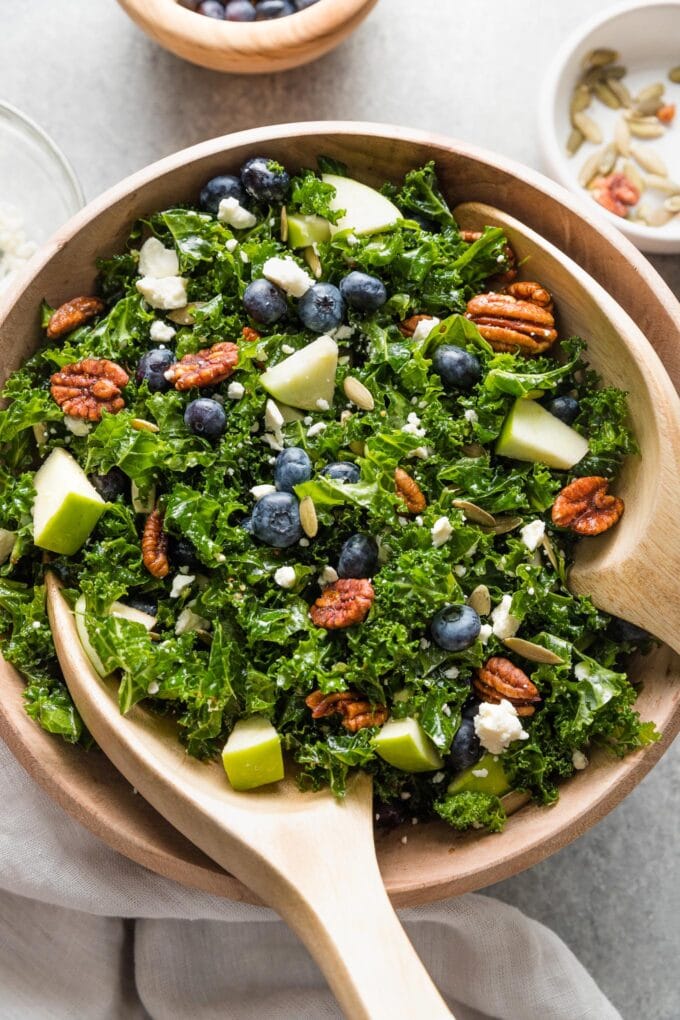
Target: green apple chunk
(306, 230)
(117, 609)
(404, 744)
(494, 782)
(366, 210)
(306, 377)
(66, 506)
(252, 754)
(531, 433)
(7, 540)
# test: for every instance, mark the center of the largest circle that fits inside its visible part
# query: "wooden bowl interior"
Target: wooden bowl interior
(434, 862)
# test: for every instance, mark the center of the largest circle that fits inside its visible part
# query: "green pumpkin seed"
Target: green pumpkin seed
(673, 204)
(620, 90)
(674, 74)
(599, 58)
(607, 159)
(654, 91)
(588, 127)
(480, 600)
(308, 518)
(634, 175)
(649, 160)
(580, 100)
(590, 169)
(532, 652)
(284, 224)
(574, 141)
(640, 129)
(313, 261)
(185, 316)
(505, 524)
(474, 512)
(622, 136)
(550, 552)
(647, 107)
(606, 95)
(605, 73)
(358, 393)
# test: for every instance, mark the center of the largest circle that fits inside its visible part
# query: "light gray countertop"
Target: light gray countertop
(115, 102)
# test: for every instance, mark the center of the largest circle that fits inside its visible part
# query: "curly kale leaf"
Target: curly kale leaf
(472, 810)
(312, 197)
(420, 193)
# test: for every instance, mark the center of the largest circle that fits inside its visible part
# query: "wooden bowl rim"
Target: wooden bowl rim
(545, 830)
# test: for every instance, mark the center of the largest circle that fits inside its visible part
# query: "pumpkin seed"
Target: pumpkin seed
(574, 141)
(141, 425)
(473, 450)
(599, 57)
(673, 204)
(532, 652)
(657, 217)
(550, 552)
(674, 74)
(284, 223)
(634, 175)
(185, 316)
(358, 447)
(580, 99)
(648, 107)
(654, 91)
(505, 524)
(606, 95)
(642, 130)
(595, 74)
(620, 90)
(474, 512)
(313, 261)
(480, 600)
(607, 159)
(588, 128)
(590, 169)
(658, 183)
(308, 518)
(622, 136)
(358, 393)
(649, 160)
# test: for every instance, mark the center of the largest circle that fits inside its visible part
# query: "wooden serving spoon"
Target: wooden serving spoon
(306, 855)
(633, 570)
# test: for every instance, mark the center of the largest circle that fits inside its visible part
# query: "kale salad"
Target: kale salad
(311, 466)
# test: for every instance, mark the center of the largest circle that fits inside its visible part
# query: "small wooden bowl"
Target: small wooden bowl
(435, 862)
(257, 47)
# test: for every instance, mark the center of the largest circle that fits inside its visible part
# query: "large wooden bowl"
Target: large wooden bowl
(258, 47)
(434, 862)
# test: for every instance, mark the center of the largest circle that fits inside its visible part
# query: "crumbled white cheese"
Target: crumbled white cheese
(438, 777)
(287, 274)
(78, 426)
(485, 632)
(285, 577)
(188, 621)
(166, 293)
(422, 452)
(235, 390)
(322, 404)
(480, 773)
(343, 332)
(233, 214)
(441, 531)
(244, 258)
(424, 328)
(419, 520)
(274, 442)
(532, 534)
(258, 491)
(328, 575)
(273, 419)
(344, 360)
(179, 583)
(581, 671)
(156, 260)
(459, 570)
(471, 415)
(451, 673)
(498, 725)
(402, 521)
(161, 332)
(153, 687)
(287, 349)
(231, 245)
(579, 760)
(424, 644)
(412, 426)
(314, 430)
(505, 625)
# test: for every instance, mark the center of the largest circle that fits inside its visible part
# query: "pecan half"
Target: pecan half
(508, 322)
(204, 368)
(499, 678)
(585, 506)
(409, 491)
(616, 192)
(155, 546)
(87, 388)
(72, 314)
(250, 334)
(343, 603)
(500, 280)
(356, 712)
(408, 326)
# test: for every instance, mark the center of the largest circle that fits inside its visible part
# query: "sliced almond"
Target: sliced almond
(142, 425)
(588, 127)
(358, 393)
(480, 600)
(649, 160)
(532, 652)
(308, 518)
(474, 512)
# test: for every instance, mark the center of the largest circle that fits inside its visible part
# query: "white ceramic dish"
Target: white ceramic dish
(647, 35)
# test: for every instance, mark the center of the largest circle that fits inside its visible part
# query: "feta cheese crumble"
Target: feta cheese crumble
(77, 426)
(188, 621)
(157, 260)
(287, 349)
(179, 583)
(497, 726)
(314, 430)
(167, 293)
(231, 245)
(287, 274)
(235, 390)
(322, 404)
(328, 575)
(233, 214)
(505, 625)
(532, 534)
(471, 415)
(579, 760)
(412, 426)
(441, 531)
(451, 673)
(285, 577)
(161, 332)
(485, 632)
(424, 328)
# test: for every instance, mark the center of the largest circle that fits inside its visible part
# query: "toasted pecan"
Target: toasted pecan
(204, 368)
(72, 314)
(343, 603)
(509, 322)
(155, 545)
(357, 713)
(408, 326)
(499, 678)
(409, 491)
(586, 507)
(250, 335)
(88, 388)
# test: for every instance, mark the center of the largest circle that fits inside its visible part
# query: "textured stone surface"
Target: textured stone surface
(115, 102)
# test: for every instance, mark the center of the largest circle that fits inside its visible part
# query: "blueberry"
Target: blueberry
(322, 307)
(247, 524)
(268, 9)
(211, 9)
(626, 631)
(152, 367)
(465, 749)
(224, 185)
(564, 408)
(264, 302)
(457, 368)
(363, 292)
(111, 485)
(470, 709)
(276, 520)
(183, 554)
(143, 604)
(455, 627)
(302, 5)
(239, 10)
(292, 467)
(388, 816)
(205, 418)
(342, 471)
(265, 179)
(358, 557)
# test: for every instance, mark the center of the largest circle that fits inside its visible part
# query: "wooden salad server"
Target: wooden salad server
(633, 570)
(307, 855)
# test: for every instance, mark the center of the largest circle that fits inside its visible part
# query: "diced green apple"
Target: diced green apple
(494, 782)
(531, 433)
(366, 210)
(252, 755)
(117, 609)
(67, 507)
(124, 612)
(404, 744)
(7, 540)
(305, 377)
(306, 230)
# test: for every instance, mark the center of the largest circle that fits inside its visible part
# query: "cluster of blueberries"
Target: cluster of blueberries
(245, 10)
